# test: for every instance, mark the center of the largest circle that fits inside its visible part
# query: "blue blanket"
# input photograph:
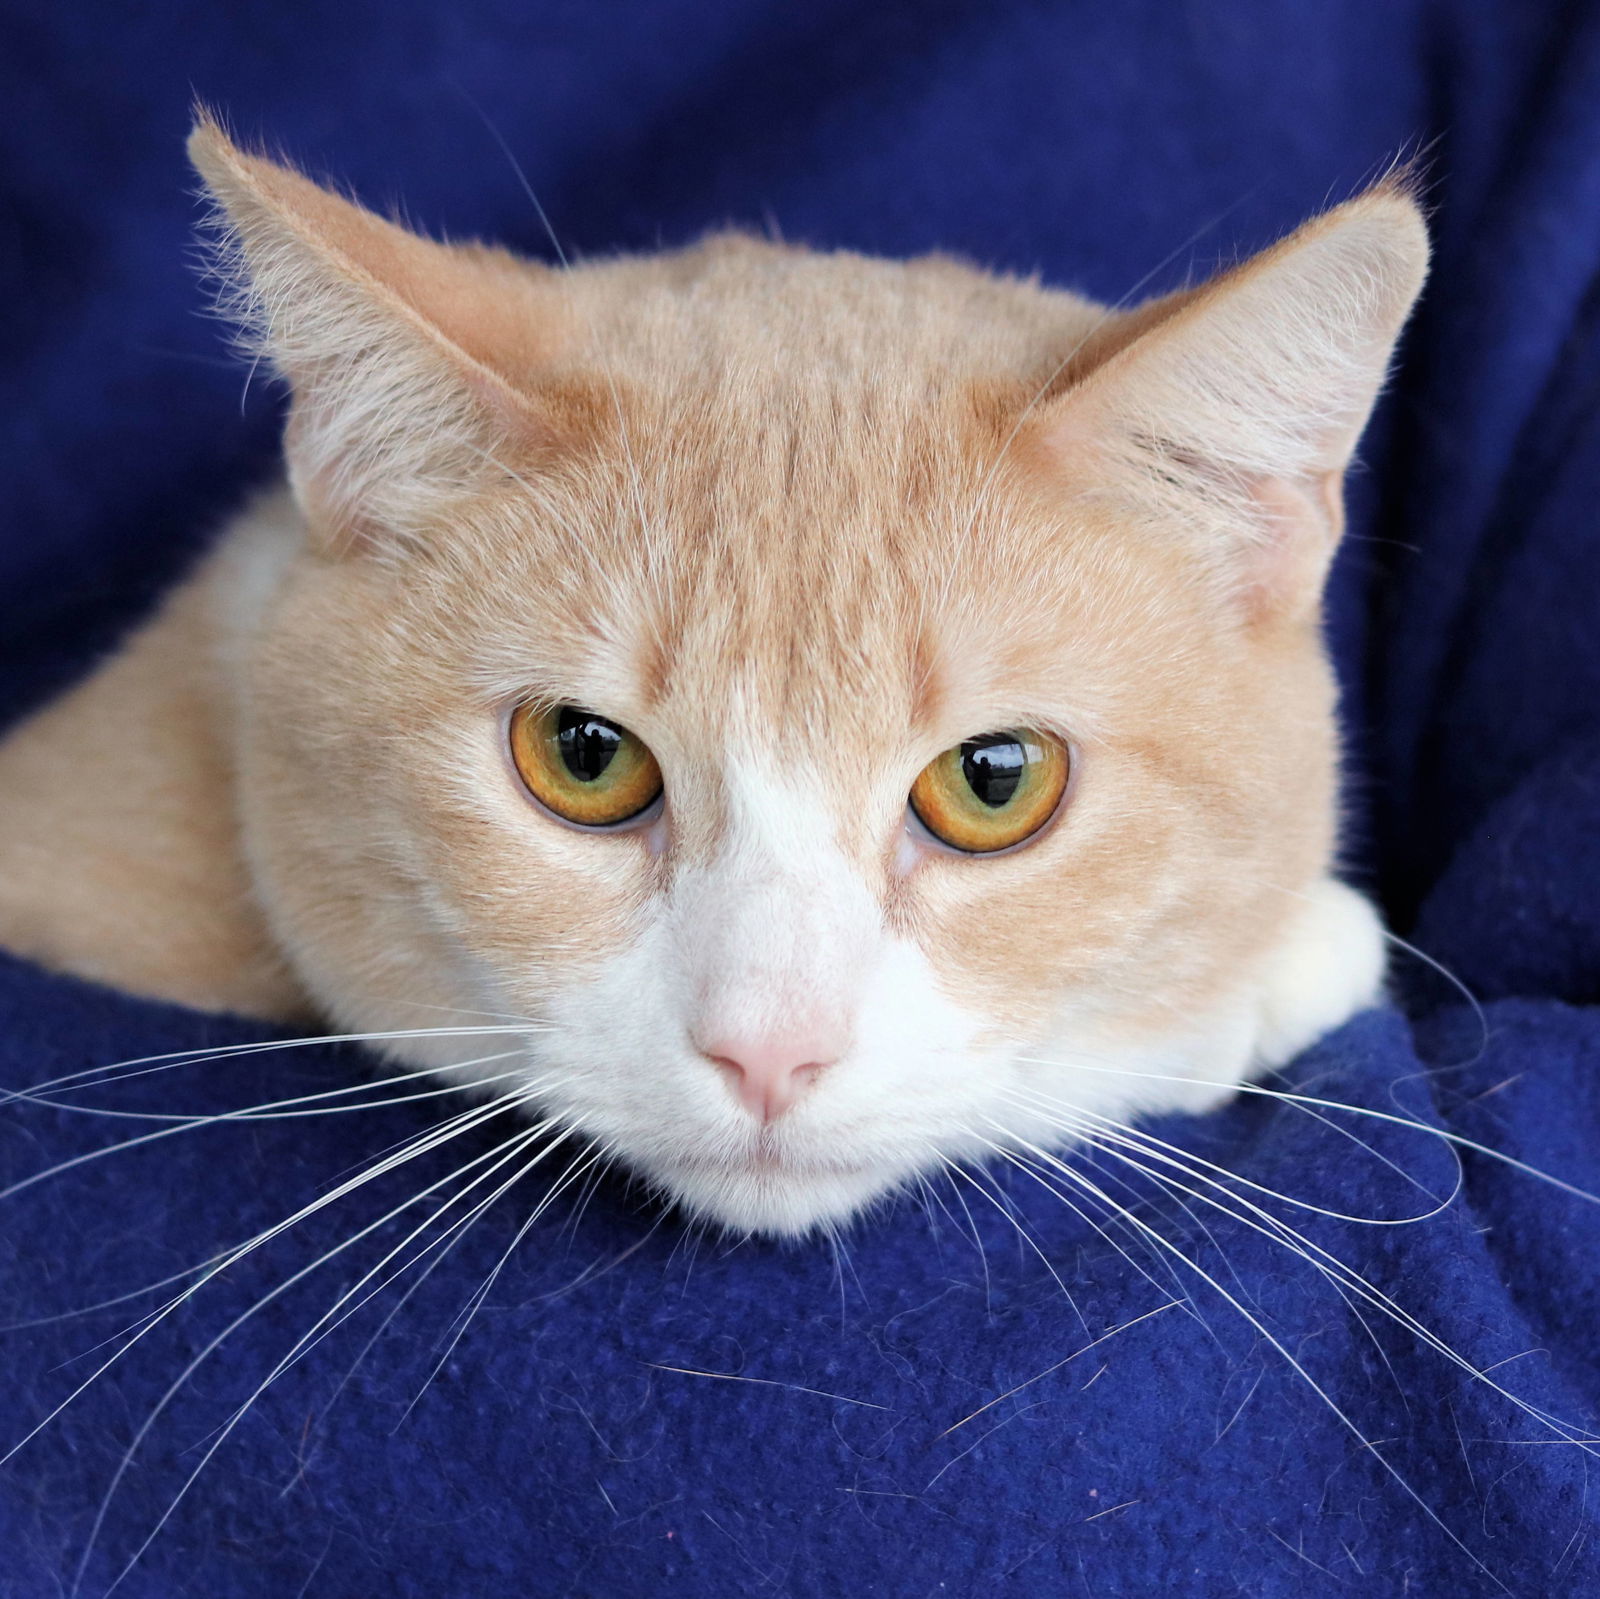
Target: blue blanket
(1385, 1387)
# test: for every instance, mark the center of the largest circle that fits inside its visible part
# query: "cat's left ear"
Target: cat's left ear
(1230, 417)
(415, 366)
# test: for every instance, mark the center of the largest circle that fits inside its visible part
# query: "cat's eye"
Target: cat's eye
(584, 768)
(992, 792)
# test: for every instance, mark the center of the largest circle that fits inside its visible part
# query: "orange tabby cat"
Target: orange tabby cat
(839, 704)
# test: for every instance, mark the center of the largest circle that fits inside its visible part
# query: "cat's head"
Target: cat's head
(857, 712)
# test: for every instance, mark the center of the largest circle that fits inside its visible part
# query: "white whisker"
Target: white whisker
(1412, 950)
(1288, 1097)
(274, 1110)
(440, 1247)
(1032, 1243)
(1260, 1327)
(464, 1318)
(498, 1156)
(1324, 1261)
(421, 1145)
(159, 1133)
(1032, 1099)
(212, 1053)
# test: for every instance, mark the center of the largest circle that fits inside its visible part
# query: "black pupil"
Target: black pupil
(993, 767)
(588, 745)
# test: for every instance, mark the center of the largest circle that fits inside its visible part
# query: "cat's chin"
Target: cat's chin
(776, 1199)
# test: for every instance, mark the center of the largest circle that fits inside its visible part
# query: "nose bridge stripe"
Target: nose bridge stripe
(778, 936)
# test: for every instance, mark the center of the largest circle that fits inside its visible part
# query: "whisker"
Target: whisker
(1291, 1239)
(591, 1186)
(1412, 950)
(1032, 1099)
(1288, 1097)
(1378, 1155)
(847, 1264)
(270, 1110)
(1083, 1123)
(585, 1161)
(184, 1057)
(423, 1144)
(110, 1304)
(1455, 982)
(440, 1248)
(467, 1010)
(1113, 1216)
(497, 1156)
(1342, 1277)
(1264, 1332)
(1325, 1262)
(925, 1197)
(1155, 1202)
(1032, 1243)
(154, 1136)
(931, 1196)
(212, 1264)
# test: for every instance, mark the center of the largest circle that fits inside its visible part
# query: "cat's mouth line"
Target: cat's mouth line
(766, 1156)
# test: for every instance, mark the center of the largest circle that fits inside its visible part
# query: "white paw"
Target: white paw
(1328, 966)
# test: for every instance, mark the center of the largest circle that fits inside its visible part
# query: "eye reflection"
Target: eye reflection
(583, 767)
(993, 770)
(587, 744)
(992, 792)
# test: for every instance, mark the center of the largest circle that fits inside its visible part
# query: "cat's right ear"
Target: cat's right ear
(1227, 415)
(412, 364)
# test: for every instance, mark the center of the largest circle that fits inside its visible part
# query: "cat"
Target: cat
(846, 713)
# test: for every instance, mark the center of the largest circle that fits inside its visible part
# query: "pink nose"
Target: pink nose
(769, 1074)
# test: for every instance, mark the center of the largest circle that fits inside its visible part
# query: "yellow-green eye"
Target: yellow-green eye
(587, 770)
(992, 792)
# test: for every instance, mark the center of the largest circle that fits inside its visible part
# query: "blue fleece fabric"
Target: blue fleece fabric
(1201, 1415)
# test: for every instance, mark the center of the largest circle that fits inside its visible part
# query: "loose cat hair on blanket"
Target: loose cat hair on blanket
(839, 705)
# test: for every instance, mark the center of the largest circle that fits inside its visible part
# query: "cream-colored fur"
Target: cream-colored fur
(800, 522)
(119, 845)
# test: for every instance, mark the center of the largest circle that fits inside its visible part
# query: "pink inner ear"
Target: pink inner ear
(1301, 522)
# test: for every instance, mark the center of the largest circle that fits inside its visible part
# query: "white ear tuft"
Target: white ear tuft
(1237, 414)
(400, 352)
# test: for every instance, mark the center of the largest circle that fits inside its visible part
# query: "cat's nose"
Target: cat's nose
(767, 1075)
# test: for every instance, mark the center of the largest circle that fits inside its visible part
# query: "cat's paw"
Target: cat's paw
(1328, 966)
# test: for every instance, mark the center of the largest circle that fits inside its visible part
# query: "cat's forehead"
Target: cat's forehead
(811, 436)
(733, 307)
(792, 398)
(798, 497)
(807, 599)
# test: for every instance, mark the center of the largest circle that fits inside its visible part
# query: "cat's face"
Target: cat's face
(792, 528)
